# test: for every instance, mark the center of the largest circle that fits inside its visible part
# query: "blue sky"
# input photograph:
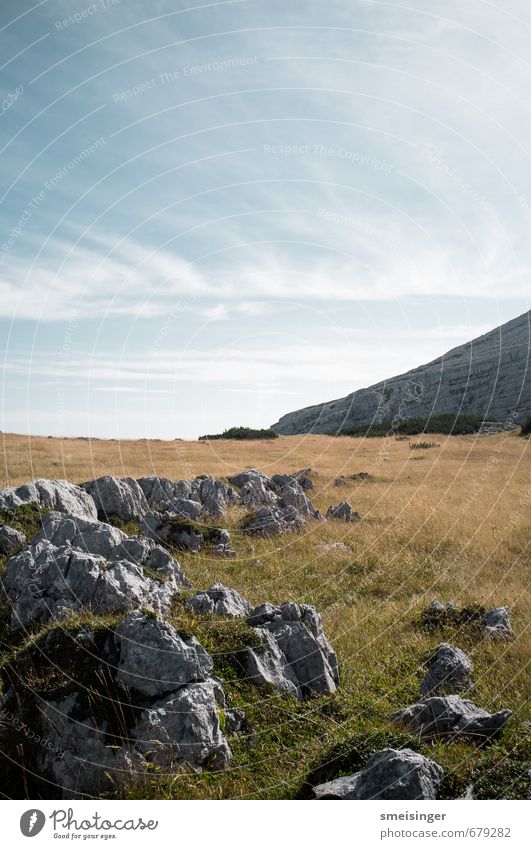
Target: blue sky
(215, 213)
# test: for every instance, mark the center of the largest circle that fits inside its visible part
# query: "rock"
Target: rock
(11, 540)
(389, 774)
(256, 489)
(162, 493)
(80, 758)
(270, 521)
(291, 494)
(326, 547)
(222, 601)
(154, 659)
(342, 511)
(270, 667)
(121, 497)
(451, 716)
(170, 530)
(449, 672)
(298, 632)
(497, 623)
(184, 726)
(340, 481)
(215, 497)
(223, 549)
(361, 476)
(52, 495)
(486, 377)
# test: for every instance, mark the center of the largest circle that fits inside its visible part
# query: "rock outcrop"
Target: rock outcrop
(389, 774)
(52, 495)
(488, 377)
(451, 716)
(11, 540)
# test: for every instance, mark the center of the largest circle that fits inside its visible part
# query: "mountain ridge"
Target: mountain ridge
(488, 376)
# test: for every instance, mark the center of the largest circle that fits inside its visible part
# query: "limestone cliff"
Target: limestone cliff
(489, 376)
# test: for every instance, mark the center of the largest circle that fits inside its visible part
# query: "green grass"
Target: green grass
(26, 518)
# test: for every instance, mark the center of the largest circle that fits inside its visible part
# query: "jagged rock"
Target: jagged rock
(298, 632)
(154, 659)
(170, 530)
(361, 476)
(10, 540)
(185, 726)
(160, 493)
(53, 495)
(109, 542)
(449, 672)
(340, 481)
(46, 581)
(270, 521)
(80, 758)
(389, 774)
(342, 511)
(487, 377)
(121, 497)
(497, 623)
(270, 667)
(443, 716)
(185, 507)
(216, 496)
(223, 601)
(291, 494)
(204, 496)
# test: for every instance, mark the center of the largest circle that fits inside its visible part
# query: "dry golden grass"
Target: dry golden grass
(452, 522)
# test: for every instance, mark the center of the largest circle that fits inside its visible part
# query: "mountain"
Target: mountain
(489, 376)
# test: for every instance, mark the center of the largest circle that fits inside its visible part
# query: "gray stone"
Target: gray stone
(388, 774)
(451, 716)
(80, 758)
(184, 726)
(170, 530)
(291, 494)
(223, 549)
(154, 659)
(449, 672)
(223, 601)
(342, 511)
(121, 497)
(340, 482)
(271, 521)
(11, 540)
(486, 377)
(256, 489)
(215, 497)
(51, 494)
(298, 632)
(269, 666)
(497, 623)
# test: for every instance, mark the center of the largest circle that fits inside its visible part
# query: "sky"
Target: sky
(215, 213)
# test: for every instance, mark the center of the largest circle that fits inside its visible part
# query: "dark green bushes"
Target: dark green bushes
(242, 433)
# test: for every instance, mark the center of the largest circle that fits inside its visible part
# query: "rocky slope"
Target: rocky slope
(489, 376)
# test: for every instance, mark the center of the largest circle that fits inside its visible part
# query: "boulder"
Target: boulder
(215, 497)
(79, 758)
(220, 600)
(291, 494)
(121, 497)
(389, 774)
(271, 521)
(497, 623)
(449, 672)
(256, 489)
(298, 633)
(340, 481)
(223, 549)
(52, 495)
(269, 666)
(451, 716)
(154, 659)
(342, 511)
(185, 726)
(11, 540)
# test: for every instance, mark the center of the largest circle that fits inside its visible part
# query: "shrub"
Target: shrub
(526, 428)
(242, 433)
(447, 423)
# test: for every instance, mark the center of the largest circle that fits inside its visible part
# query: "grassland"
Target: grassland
(451, 522)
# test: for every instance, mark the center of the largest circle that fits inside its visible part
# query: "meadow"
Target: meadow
(451, 522)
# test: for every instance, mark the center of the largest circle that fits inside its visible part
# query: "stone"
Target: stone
(162, 493)
(269, 666)
(298, 632)
(340, 481)
(120, 497)
(79, 758)
(215, 497)
(222, 601)
(486, 377)
(342, 511)
(326, 547)
(184, 726)
(271, 521)
(168, 529)
(57, 495)
(223, 549)
(256, 489)
(154, 659)
(291, 494)
(449, 672)
(497, 623)
(388, 774)
(451, 716)
(11, 540)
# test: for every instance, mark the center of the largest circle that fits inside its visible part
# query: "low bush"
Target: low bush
(242, 433)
